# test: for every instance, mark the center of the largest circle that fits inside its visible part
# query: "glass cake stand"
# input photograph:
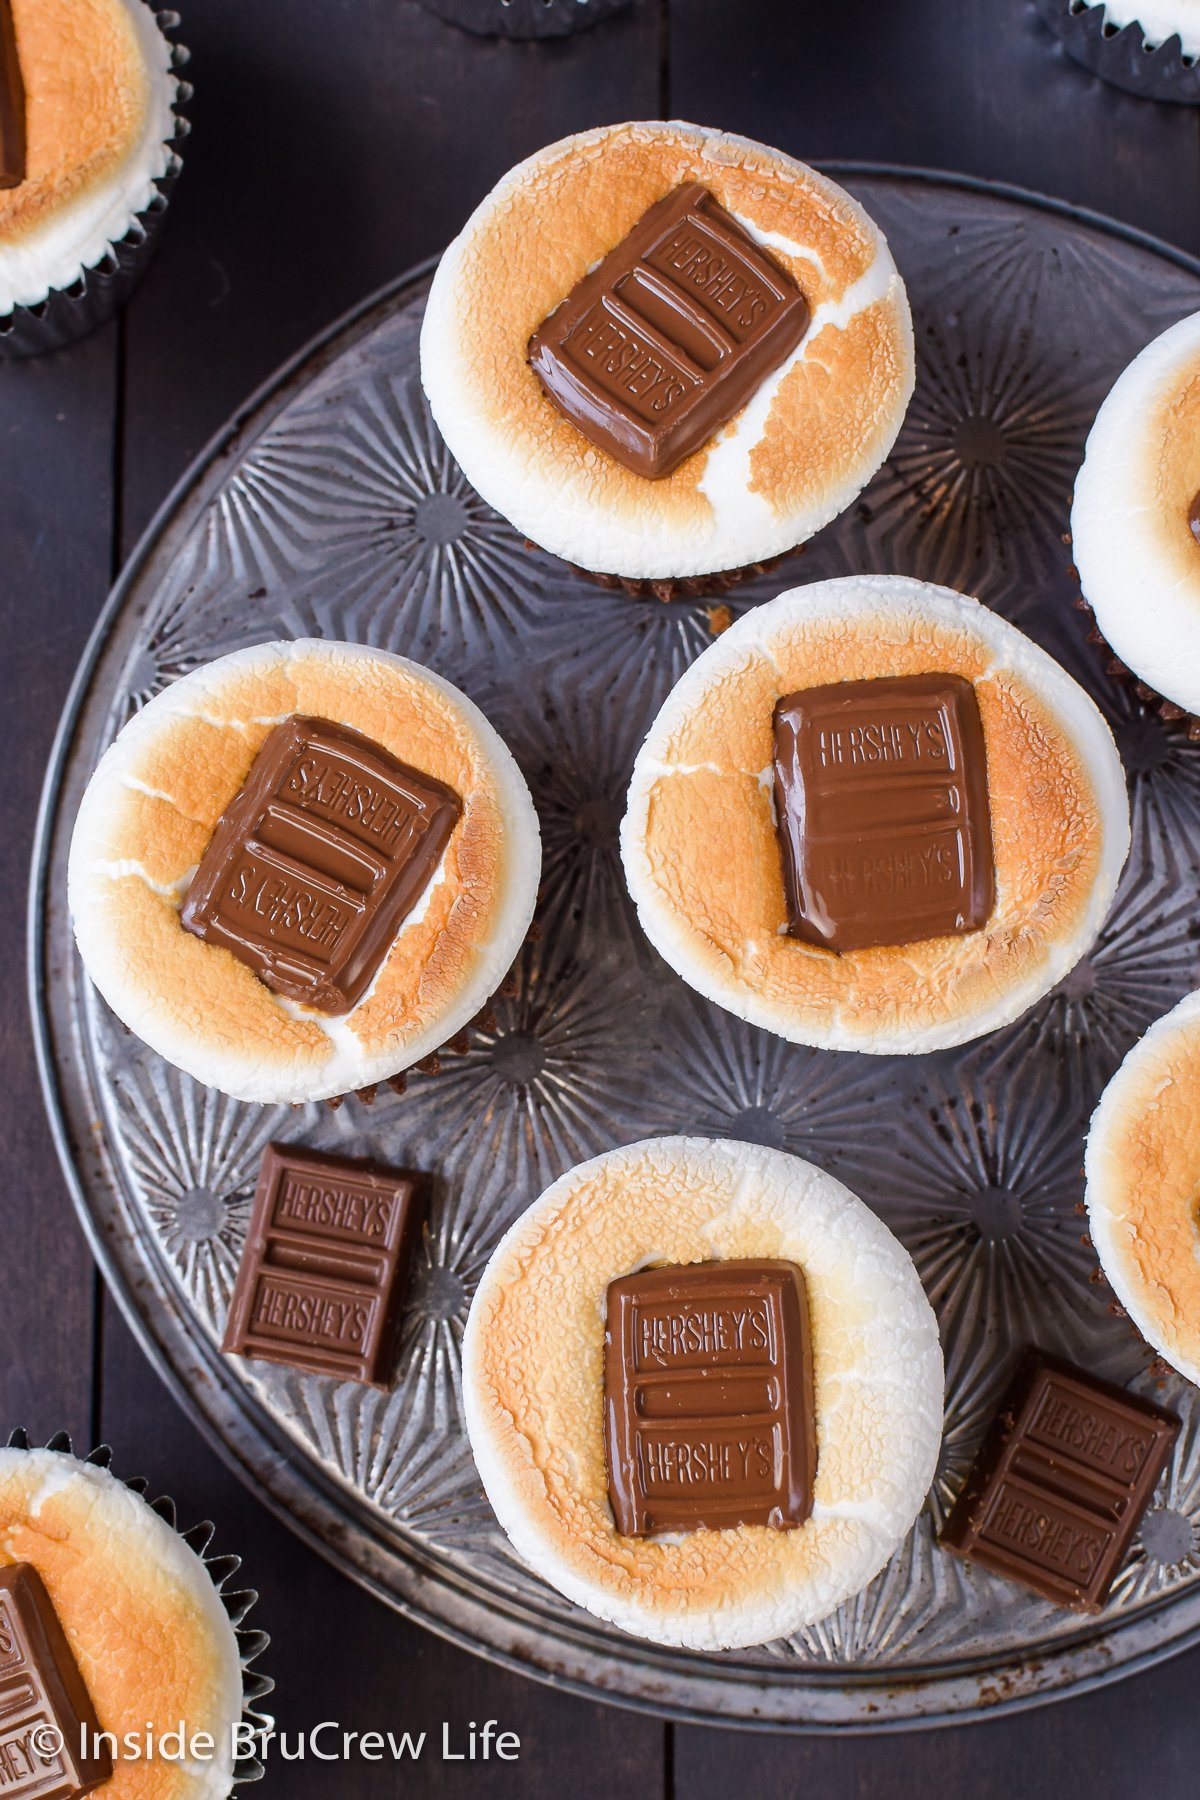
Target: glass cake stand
(331, 507)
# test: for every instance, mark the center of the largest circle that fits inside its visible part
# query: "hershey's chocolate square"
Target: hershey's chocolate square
(708, 1399)
(1062, 1482)
(321, 1281)
(13, 141)
(44, 1703)
(662, 343)
(881, 802)
(317, 861)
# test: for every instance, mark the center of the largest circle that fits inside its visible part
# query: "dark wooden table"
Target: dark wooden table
(336, 142)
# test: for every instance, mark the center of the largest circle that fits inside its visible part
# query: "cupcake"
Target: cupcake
(111, 1623)
(703, 1388)
(668, 355)
(1147, 47)
(87, 123)
(303, 868)
(1135, 522)
(874, 816)
(1143, 1180)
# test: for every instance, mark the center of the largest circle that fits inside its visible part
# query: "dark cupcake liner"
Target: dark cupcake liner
(221, 1571)
(673, 587)
(1120, 671)
(1122, 55)
(67, 314)
(524, 18)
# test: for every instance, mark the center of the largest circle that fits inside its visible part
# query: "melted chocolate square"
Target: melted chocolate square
(321, 1282)
(44, 1704)
(881, 803)
(662, 343)
(708, 1401)
(12, 103)
(1062, 1483)
(318, 860)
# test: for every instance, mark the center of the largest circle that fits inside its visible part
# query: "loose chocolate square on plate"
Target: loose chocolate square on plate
(321, 1282)
(708, 1399)
(44, 1702)
(881, 803)
(663, 342)
(1062, 1482)
(318, 860)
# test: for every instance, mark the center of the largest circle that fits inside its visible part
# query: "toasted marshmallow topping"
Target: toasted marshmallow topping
(702, 857)
(1143, 1185)
(533, 1388)
(1159, 20)
(141, 1614)
(99, 93)
(809, 439)
(149, 813)
(1136, 551)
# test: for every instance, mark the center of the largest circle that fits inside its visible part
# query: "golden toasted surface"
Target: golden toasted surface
(566, 209)
(86, 93)
(1144, 1186)
(152, 808)
(702, 851)
(1172, 470)
(533, 1382)
(144, 1625)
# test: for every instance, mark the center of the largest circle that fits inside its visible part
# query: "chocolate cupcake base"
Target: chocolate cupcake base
(672, 587)
(1121, 55)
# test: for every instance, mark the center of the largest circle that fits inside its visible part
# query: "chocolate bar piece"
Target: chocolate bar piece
(1059, 1489)
(12, 103)
(1194, 516)
(322, 1276)
(317, 861)
(708, 1398)
(881, 802)
(662, 343)
(46, 1712)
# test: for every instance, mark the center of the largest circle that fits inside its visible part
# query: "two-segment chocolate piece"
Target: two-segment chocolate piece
(45, 1708)
(670, 335)
(12, 103)
(318, 860)
(1062, 1482)
(708, 1398)
(322, 1278)
(881, 803)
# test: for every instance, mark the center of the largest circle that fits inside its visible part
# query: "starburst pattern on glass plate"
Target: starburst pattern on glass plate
(623, 656)
(577, 761)
(567, 1070)
(395, 546)
(980, 479)
(982, 1185)
(406, 1451)
(1163, 766)
(202, 584)
(1146, 958)
(347, 517)
(192, 1158)
(731, 1080)
(884, 1618)
(1166, 1551)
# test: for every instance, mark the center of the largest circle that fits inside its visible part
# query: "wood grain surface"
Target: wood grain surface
(335, 143)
